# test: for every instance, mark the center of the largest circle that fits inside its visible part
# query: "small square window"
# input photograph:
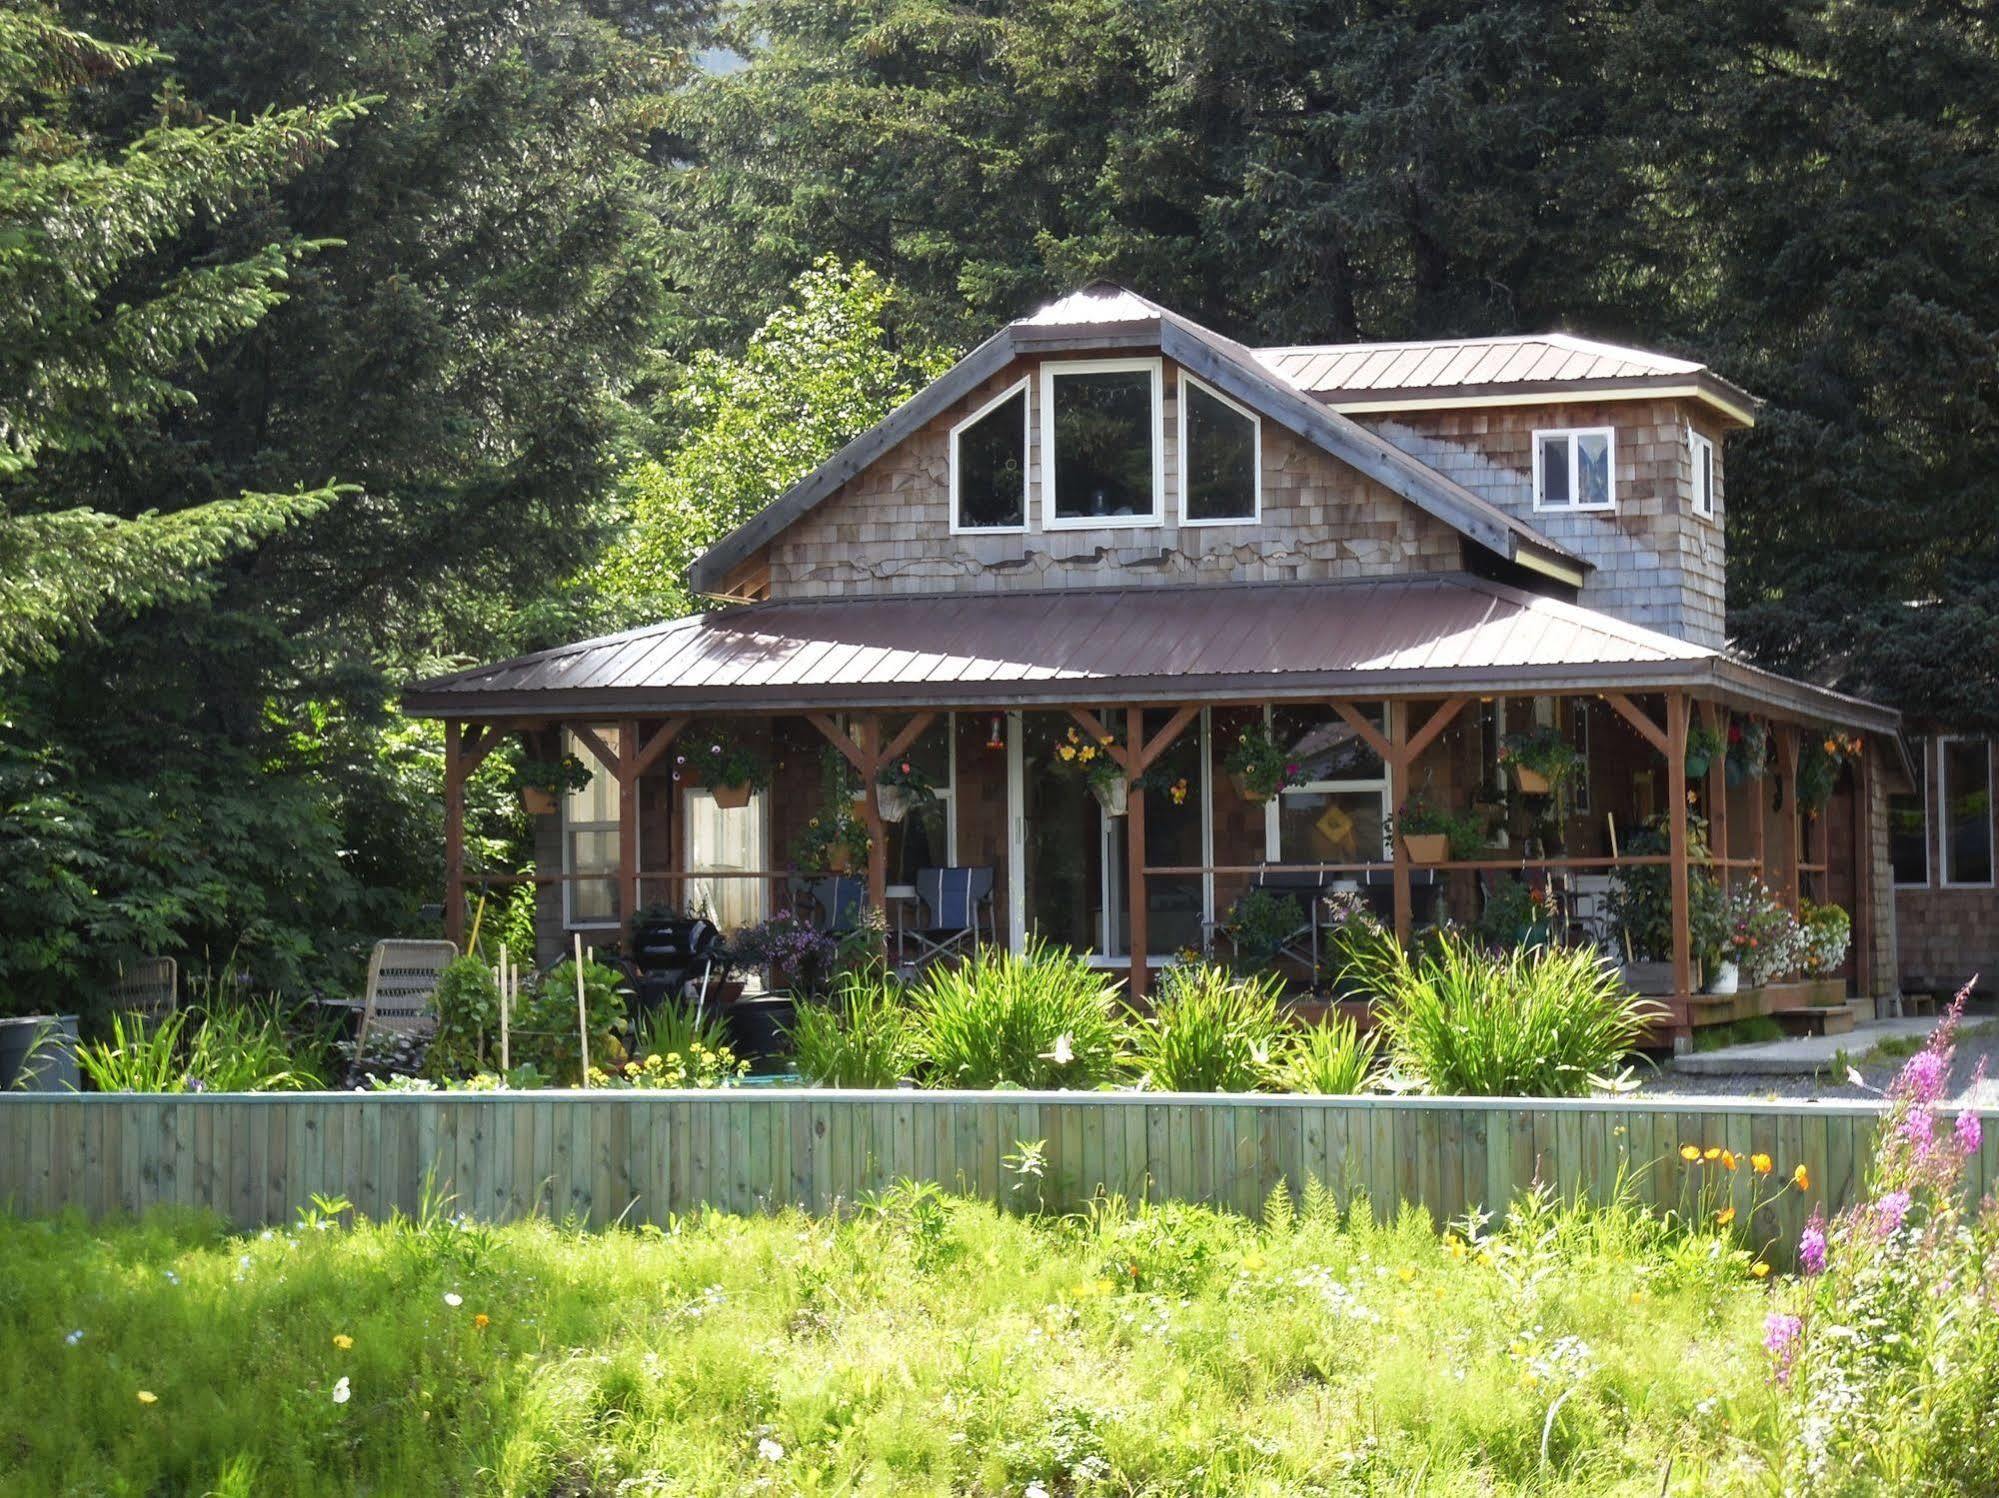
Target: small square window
(1703, 451)
(1574, 470)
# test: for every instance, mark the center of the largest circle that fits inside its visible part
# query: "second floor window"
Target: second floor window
(1964, 810)
(1703, 451)
(1573, 469)
(989, 465)
(1220, 457)
(1100, 443)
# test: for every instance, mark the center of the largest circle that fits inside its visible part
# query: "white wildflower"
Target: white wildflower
(453, 1299)
(341, 1393)
(74, 1337)
(770, 1450)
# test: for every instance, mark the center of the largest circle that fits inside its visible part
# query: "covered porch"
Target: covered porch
(1375, 696)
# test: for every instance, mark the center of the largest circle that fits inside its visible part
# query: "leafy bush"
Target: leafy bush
(1043, 1019)
(467, 999)
(1331, 1058)
(1537, 1022)
(697, 1066)
(543, 1029)
(241, 1048)
(1516, 914)
(1210, 1030)
(1259, 924)
(863, 1036)
(1641, 896)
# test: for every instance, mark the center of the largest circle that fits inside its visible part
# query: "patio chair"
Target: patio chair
(402, 985)
(948, 905)
(149, 988)
(834, 904)
(1307, 888)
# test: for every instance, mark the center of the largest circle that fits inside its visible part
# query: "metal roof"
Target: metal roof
(1222, 642)
(1392, 376)
(1104, 316)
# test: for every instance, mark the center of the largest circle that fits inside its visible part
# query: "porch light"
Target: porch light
(995, 735)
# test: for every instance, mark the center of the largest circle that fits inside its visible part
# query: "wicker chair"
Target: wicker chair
(402, 982)
(149, 988)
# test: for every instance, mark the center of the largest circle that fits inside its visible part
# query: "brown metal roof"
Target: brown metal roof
(1226, 642)
(1385, 376)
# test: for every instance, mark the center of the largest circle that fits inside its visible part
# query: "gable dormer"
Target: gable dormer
(1615, 453)
(1105, 441)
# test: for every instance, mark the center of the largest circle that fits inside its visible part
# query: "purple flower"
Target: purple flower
(1811, 1249)
(1890, 1211)
(1781, 1334)
(1919, 1128)
(1923, 1077)
(1969, 1132)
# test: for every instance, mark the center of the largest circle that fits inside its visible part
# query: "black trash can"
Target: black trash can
(38, 1054)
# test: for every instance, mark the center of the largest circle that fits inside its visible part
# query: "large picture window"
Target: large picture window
(1221, 457)
(1573, 470)
(1101, 456)
(590, 839)
(1964, 805)
(989, 465)
(1909, 826)
(1338, 811)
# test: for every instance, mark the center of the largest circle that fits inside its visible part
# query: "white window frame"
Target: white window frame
(1702, 448)
(1255, 515)
(1575, 434)
(1273, 848)
(1020, 388)
(573, 745)
(1944, 881)
(948, 794)
(1930, 862)
(710, 887)
(1054, 369)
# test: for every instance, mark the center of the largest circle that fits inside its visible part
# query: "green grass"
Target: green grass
(925, 1345)
(1754, 1030)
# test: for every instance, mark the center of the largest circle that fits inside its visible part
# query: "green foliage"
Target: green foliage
(544, 1032)
(1464, 831)
(1042, 1019)
(1259, 924)
(235, 1048)
(1259, 761)
(716, 757)
(555, 776)
(1210, 1030)
(1539, 1022)
(1705, 745)
(864, 1035)
(1277, 1355)
(697, 1067)
(468, 1019)
(1641, 897)
(671, 1027)
(1332, 1058)
(816, 374)
(1516, 914)
(1545, 751)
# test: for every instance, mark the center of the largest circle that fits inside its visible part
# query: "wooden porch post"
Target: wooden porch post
(1676, 794)
(1787, 756)
(454, 833)
(1134, 855)
(1863, 871)
(1398, 771)
(628, 819)
(1760, 799)
(1717, 793)
(867, 736)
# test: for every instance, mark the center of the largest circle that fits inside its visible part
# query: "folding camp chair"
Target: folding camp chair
(149, 988)
(948, 903)
(834, 904)
(402, 986)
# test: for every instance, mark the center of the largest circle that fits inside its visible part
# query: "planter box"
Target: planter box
(1650, 978)
(1243, 791)
(893, 801)
(1113, 796)
(38, 1054)
(1426, 847)
(1804, 993)
(1531, 782)
(731, 797)
(537, 802)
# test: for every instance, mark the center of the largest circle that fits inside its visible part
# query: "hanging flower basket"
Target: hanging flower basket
(1244, 790)
(537, 802)
(1113, 794)
(1426, 847)
(732, 797)
(839, 858)
(1532, 782)
(893, 801)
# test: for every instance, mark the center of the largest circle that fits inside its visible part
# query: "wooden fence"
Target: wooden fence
(637, 1157)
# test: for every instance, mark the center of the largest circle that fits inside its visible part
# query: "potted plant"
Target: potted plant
(1077, 755)
(542, 781)
(1256, 766)
(1542, 761)
(833, 842)
(900, 786)
(1430, 834)
(1748, 750)
(1824, 933)
(1640, 906)
(731, 772)
(1819, 764)
(1705, 746)
(1260, 924)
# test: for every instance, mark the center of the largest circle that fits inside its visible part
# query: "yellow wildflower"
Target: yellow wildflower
(1760, 1269)
(1406, 1273)
(147, 1396)
(1728, 1158)
(1760, 1163)
(1690, 1153)
(1712, 1152)
(1801, 1178)
(482, 1321)
(342, 1341)
(1067, 751)
(1724, 1217)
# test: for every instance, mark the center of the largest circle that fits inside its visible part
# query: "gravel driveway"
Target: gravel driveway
(1978, 1043)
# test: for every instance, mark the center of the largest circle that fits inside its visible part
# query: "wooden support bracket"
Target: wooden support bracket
(1628, 710)
(1369, 734)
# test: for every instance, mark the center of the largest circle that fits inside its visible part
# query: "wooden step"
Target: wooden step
(1822, 1019)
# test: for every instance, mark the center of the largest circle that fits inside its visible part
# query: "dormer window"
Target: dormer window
(1221, 458)
(1703, 451)
(1100, 439)
(1573, 469)
(989, 465)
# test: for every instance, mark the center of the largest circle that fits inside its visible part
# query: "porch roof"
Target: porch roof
(1407, 635)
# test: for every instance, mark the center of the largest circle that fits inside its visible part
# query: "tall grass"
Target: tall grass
(1044, 1019)
(230, 1048)
(862, 1036)
(1537, 1021)
(1332, 1058)
(1211, 1031)
(671, 1028)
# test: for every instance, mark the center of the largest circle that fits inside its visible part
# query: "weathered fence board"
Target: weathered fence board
(638, 1157)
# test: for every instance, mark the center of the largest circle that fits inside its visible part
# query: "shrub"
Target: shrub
(1535, 1022)
(863, 1036)
(1210, 1030)
(1259, 924)
(1331, 1058)
(1641, 896)
(468, 1017)
(543, 1028)
(1042, 1019)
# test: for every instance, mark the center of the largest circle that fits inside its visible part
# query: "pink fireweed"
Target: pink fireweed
(1969, 1132)
(1811, 1246)
(1891, 1212)
(1781, 1336)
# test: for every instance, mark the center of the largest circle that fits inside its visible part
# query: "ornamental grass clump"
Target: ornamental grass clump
(1332, 1058)
(1533, 1022)
(862, 1036)
(1043, 1019)
(235, 1048)
(1886, 1348)
(1211, 1030)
